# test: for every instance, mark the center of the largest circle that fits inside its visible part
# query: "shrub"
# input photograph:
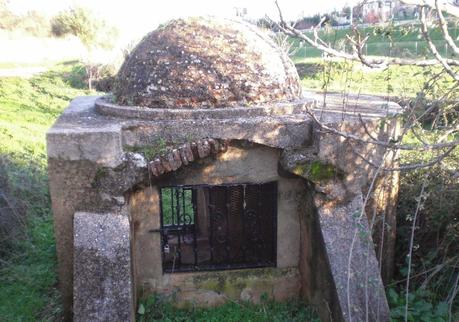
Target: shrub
(31, 23)
(420, 307)
(81, 23)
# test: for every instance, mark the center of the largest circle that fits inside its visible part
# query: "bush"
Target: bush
(420, 307)
(80, 22)
(31, 23)
(436, 241)
(100, 75)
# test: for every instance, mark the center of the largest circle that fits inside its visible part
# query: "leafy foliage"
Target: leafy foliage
(82, 23)
(32, 22)
(420, 307)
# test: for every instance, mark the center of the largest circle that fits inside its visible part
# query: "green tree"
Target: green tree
(92, 32)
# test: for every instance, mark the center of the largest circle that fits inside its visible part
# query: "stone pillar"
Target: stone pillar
(103, 288)
(146, 238)
(352, 259)
(77, 154)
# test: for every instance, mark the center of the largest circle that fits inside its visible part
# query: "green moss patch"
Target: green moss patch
(316, 171)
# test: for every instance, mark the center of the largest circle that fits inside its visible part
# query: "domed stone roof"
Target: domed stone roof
(205, 63)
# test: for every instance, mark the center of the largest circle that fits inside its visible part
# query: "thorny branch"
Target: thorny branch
(374, 141)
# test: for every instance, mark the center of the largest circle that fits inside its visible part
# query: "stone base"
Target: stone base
(102, 268)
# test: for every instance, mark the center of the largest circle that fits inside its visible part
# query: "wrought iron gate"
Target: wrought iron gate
(218, 227)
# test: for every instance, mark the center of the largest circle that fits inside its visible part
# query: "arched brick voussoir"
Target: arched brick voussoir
(184, 154)
(135, 170)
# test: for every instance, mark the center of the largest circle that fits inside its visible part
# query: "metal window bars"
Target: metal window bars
(216, 227)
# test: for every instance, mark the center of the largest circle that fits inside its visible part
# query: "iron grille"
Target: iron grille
(218, 227)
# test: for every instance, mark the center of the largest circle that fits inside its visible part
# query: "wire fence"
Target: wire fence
(403, 49)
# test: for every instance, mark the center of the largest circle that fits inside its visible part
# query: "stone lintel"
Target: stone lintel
(103, 289)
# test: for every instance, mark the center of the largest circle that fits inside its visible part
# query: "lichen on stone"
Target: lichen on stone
(206, 63)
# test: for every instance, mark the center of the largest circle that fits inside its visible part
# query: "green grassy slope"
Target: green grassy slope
(28, 107)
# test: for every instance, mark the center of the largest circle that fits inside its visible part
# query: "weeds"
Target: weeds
(157, 308)
(420, 307)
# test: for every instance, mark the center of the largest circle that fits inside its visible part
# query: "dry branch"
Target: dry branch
(444, 28)
(372, 61)
(433, 49)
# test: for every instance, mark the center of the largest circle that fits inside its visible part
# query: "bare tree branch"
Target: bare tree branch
(409, 167)
(433, 48)
(373, 61)
(444, 28)
(392, 146)
(410, 254)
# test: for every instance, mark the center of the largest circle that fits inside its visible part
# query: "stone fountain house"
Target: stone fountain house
(204, 178)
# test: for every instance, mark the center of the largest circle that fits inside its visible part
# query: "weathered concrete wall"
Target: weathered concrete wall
(85, 178)
(218, 287)
(145, 216)
(381, 212)
(70, 189)
(241, 163)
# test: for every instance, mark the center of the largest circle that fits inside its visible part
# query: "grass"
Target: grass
(28, 107)
(159, 309)
(351, 77)
(387, 40)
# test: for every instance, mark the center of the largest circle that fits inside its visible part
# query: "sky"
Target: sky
(140, 16)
